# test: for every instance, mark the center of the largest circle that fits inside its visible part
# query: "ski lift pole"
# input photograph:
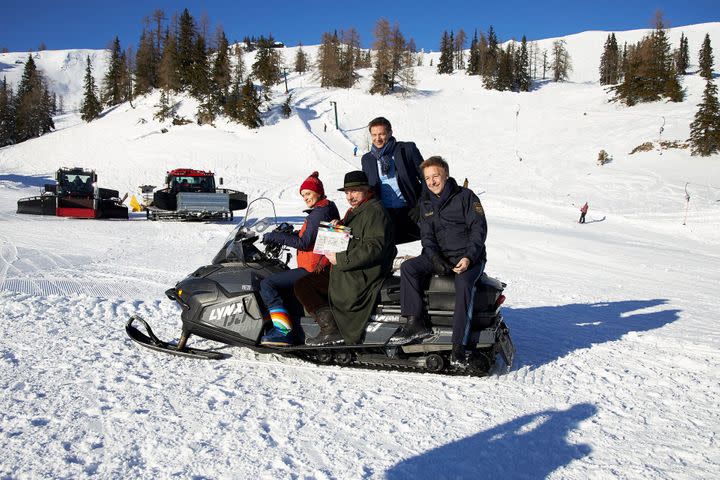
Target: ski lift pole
(687, 203)
(334, 104)
(285, 73)
(662, 129)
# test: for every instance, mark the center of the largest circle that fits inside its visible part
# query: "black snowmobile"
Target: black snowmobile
(221, 302)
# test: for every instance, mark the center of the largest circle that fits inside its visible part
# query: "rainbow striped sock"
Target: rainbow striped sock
(281, 320)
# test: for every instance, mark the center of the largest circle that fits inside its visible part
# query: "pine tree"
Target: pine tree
(46, 111)
(249, 106)
(649, 72)
(301, 60)
(286, 109)
(706, 59)
(561, 64)
(168, 71)
(705, 128)
(199, 76)
(682, 56)
(221, 76)
(186, 49)
(349, 49)
(445, 65)
(90, 107)
(239, 70)
(381, 82)
(490, 65)
(112, 88)
(267, 66)
(32, 104)
(7, 114)
(473, 67)
(165, 109)
(522, 67)
(504, 80)
(610, 62)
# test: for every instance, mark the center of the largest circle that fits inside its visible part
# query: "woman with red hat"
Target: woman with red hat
(276, 290)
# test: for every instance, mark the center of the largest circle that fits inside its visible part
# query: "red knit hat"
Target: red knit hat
(313, 183)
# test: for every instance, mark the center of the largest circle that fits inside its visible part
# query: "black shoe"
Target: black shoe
(458, 356)
(414, 329)
(329, 333)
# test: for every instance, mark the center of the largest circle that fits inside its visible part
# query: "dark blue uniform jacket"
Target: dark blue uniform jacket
(453, 225)
(409, 176)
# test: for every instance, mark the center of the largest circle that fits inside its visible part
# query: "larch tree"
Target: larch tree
(561, 64)
(383, 58)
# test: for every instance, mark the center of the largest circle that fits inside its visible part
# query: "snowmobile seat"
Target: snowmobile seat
(440, 299)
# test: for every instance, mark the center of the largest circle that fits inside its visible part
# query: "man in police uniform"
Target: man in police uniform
(453, 231)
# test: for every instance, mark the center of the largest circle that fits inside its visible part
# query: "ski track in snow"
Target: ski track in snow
(617, 373)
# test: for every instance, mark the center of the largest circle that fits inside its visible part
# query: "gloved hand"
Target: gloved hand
(414, 214)
(272, 237)
(441, 266)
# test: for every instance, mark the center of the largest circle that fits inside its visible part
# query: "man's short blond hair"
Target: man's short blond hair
(436, 161)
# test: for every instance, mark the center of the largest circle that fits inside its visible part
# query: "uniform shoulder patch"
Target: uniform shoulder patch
(477, 206)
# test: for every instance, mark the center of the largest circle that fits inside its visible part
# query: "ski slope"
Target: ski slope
(618, 350)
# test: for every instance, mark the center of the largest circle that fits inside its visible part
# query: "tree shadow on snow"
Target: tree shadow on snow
(544, 334)
(27, 180)
(532, 446)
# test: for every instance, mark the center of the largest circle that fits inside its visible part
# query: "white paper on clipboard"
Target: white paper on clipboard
(331, 239)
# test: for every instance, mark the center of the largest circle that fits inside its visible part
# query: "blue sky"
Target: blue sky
(93, 24)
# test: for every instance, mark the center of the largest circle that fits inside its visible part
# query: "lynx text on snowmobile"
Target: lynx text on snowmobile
(221, 302)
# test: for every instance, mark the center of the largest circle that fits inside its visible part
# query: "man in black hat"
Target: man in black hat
(342, 297)
(393, 171)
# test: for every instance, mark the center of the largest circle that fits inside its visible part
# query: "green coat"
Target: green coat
(356, 279)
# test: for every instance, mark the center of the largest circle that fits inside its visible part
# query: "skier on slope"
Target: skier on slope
(583, 212)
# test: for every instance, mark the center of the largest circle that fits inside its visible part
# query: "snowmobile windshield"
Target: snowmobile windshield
(239, 246)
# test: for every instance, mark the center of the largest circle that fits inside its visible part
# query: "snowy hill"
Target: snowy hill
(618, 362)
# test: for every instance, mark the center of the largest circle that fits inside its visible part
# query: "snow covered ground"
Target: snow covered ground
(617, 372)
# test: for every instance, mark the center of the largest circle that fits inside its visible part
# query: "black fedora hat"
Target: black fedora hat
(354, 179)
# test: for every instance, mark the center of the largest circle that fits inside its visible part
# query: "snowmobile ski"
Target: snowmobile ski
(150, 341)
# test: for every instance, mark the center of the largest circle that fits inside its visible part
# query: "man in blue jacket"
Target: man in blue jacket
(393, 171)
(453, 230)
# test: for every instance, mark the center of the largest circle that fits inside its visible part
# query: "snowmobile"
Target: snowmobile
(192, 195)
(221, 302)
(75, 194)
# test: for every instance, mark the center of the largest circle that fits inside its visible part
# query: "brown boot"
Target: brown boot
(329, 333)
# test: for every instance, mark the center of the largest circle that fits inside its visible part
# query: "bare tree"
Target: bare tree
(561, 64)
(459, 48)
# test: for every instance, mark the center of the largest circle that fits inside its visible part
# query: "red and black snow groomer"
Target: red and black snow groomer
(75, 194)
(192, 195)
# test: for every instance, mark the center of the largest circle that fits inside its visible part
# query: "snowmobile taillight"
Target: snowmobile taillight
(499, 301)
